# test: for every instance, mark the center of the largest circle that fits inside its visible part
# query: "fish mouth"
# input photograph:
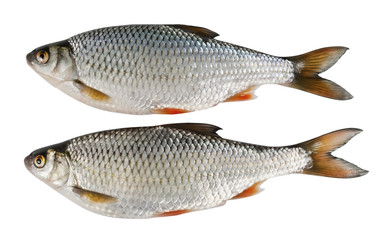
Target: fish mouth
(30, 58)
(28, 162)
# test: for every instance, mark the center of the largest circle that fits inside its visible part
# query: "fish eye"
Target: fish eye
(39, 161)
(42, 56)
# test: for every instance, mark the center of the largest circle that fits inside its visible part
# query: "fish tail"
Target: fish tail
(307, 67)
(323, 163)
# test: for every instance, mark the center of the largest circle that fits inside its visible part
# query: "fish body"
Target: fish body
(145, 69)
(177, 168)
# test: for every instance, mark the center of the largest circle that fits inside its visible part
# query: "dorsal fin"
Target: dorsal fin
(201, 128)
(200, 31)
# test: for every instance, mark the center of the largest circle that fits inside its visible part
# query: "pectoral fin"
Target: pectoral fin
(91, 92)
(93, 196)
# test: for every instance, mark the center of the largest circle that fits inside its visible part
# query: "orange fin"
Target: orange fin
(254, 189)
(246, 94)
(323, 163)
(170, 111)
(93, 196)
(309, 65)
(200, 31)
(172, 213)
(91, 92)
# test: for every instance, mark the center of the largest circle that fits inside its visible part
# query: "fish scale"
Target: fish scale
(171, 69)
(178, 54)
(152, 169)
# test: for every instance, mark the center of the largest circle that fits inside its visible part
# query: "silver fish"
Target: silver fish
(169, 69)
(177, 168)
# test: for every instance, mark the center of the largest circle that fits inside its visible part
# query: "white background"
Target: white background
(35, 114)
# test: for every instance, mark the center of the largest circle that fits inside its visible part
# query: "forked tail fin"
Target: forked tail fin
(309, 65)
(323, 163)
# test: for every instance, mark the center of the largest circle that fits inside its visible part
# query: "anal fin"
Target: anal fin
(91, 92)
(254, 189)
(247, 94)
(172, 213)
(93, 196)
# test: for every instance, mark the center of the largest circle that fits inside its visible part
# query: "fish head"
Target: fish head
(54, 62)
(49, 165)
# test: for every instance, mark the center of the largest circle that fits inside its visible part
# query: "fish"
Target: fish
(172, 169)
(173, 69)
